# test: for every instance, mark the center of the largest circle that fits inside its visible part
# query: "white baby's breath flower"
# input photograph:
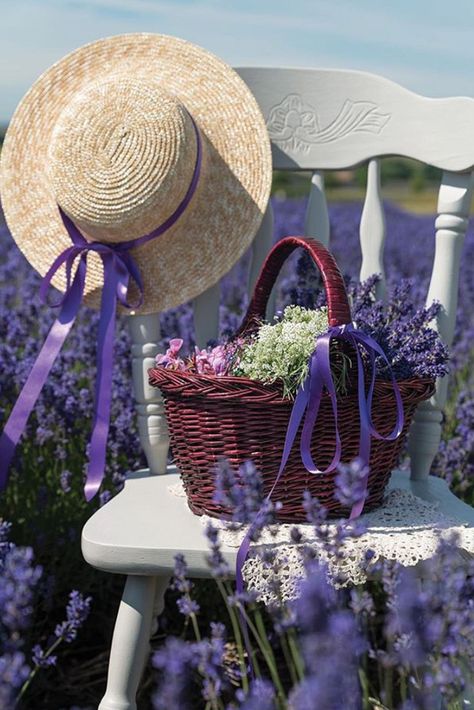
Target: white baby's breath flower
(281, 351)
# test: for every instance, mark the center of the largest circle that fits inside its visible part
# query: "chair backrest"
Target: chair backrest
(327, 120)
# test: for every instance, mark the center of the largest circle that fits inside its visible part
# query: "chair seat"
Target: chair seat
(143, 527)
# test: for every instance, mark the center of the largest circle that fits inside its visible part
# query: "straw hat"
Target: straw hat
(110, 135)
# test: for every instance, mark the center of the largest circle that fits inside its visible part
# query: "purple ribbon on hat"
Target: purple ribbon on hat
(119, 268)
(307, 405)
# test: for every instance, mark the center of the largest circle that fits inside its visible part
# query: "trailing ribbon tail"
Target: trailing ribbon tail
(113, 279)
(26, 401)
(119, 268)
(307, 404)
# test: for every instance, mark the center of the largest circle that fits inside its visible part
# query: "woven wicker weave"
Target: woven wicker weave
(234, 417)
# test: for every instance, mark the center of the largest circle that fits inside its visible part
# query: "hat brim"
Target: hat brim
(228, 206)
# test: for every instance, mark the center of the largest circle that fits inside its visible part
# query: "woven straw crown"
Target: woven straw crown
(108, 134)
(121, 157)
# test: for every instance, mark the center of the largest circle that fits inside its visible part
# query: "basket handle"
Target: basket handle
(339, 310)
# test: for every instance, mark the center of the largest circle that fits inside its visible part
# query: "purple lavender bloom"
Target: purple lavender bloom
(182, 665)
(40, 659)
(175, 659)
(362, 604)
(409, 623)
(211, 667)
(18, 582)
(455, 459)
(315, 512)
(217, 564)
(104, 497)
(65, 480)
(187, 606)
(328, 693)
(183, 584)
(77, 611)
(241, 490)
(317, 599)
(5, 544)
(331, 646)
(180, 579)
(261, 696)
(13, 673)
(351, 482)
(243, 598)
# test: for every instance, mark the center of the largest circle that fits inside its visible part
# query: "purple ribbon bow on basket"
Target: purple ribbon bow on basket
(119, 268)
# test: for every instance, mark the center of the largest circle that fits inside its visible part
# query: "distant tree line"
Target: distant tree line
(417, 176)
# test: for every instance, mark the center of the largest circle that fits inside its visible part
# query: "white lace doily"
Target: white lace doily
(405, 528)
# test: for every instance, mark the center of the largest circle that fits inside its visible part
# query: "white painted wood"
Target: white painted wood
(435, 490)
(151, 418)
(454, 203)
(372, 229)
(167, 526)
(206, 315)
(317, 215)
(330, 119)
(130, 644)
(261, 245)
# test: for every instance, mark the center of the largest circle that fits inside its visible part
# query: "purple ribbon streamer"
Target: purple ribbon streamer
(119, 267)
(307, 405)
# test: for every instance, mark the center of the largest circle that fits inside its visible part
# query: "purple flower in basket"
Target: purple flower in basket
(212, 362)
(170, 359)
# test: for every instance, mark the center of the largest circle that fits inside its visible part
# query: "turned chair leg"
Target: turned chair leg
(142, 597)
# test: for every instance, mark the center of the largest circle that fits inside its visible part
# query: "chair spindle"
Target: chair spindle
(151, 418)
(317, 215)
(454, 203)
(372, 229)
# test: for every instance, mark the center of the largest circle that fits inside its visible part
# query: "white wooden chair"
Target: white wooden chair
(318, 120)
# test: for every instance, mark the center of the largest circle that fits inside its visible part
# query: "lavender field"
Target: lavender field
(57, 614)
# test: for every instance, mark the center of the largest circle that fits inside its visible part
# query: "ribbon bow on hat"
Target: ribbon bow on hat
(129, 132)
(119, 267)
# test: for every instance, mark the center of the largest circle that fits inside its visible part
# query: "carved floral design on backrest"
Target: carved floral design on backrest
(294, 125)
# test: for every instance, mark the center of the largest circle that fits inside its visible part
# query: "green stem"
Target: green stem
(268, 656)
(378, 704)
(288, 659)
(194, 622)
(403, 686)
(388, 687)
(365, 688)
(237, 635)
(295, 652)
(262, 631)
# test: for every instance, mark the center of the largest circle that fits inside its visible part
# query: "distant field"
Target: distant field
(419, 202)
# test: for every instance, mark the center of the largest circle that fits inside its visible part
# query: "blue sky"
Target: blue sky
(426, 45)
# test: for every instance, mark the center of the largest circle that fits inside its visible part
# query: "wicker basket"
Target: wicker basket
(211, 417)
